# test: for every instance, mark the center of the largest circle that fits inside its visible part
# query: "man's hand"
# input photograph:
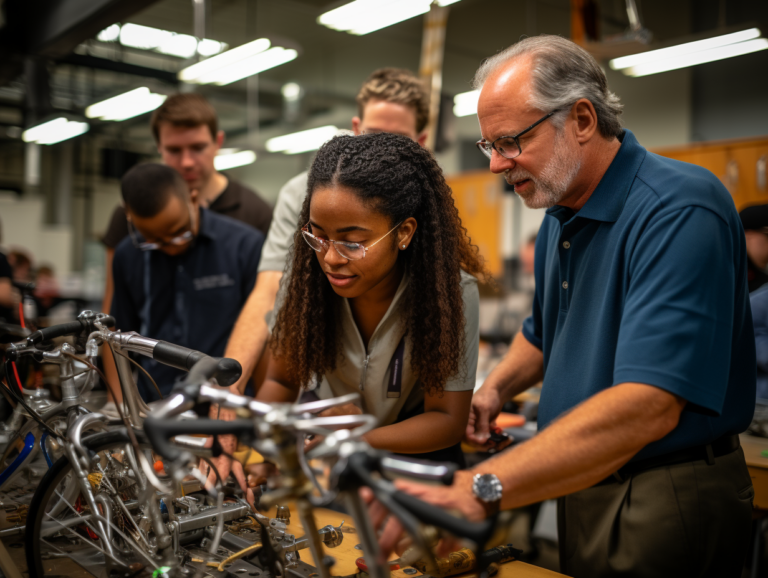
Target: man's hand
(486, 406)
(457, 497)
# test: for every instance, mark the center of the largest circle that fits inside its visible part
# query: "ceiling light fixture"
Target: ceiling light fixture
(162, 41)
(143, 37)
(231, 158)
(238, 63)
(691, 53)
(53, 131)
(465, 103)
(303, 141)
(181, 45)
(365, 16)
(126, 105)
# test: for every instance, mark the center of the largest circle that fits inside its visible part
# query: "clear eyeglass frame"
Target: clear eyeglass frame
(348, 251)
(178, 241)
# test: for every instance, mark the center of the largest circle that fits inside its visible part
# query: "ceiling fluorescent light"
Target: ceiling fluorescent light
(275, 56)
(686, 60)
(192, 73)
(208, 47)
(143, 37)
(230, 160)
(303, 141)
(364, 16)
(465, 103)
(163, 41)
(109, 34)
(446, 2)
(126, 105)
(683, 49)
(53, 131)
(181, 45)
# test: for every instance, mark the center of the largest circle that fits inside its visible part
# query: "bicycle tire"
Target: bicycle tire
(37, 566)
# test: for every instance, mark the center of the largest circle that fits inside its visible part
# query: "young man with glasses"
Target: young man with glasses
(183, 273)
(186, 130)
(641, 333)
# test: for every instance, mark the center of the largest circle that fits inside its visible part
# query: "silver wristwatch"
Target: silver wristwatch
(487, 489)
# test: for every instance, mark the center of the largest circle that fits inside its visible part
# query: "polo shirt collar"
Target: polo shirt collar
(206, 229)
(607, 200)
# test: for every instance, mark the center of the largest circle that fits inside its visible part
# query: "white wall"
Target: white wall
(22, 226)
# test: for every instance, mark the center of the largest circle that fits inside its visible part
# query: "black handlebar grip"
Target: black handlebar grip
(160, 431)
(478, 532)
(71, 328)
(226, 371)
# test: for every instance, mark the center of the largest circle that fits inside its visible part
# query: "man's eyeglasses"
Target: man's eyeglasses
(509, 146)
(177, 241)
(349, 251)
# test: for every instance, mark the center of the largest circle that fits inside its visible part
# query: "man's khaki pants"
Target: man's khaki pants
(690, 519)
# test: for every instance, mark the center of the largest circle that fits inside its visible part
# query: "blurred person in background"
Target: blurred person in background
(21, 263)
(8, 297)
(186, 130)
(183, 273)
(755, 222)
(46, 292)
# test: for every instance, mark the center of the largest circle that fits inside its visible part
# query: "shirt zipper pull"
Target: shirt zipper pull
(365, 371)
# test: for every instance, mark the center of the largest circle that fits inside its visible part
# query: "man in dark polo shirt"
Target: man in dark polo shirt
(641, 332)
(188, 138)
(755, 222)
(183, 273)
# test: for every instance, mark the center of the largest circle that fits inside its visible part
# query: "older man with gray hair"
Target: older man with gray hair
(641, 332)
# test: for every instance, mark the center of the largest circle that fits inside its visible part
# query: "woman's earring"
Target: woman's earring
(403, 246)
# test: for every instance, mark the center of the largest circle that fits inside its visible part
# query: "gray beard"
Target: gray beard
(552, 185)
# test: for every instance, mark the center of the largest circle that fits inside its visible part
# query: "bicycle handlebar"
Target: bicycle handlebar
(160, 431)
(226, 371)
(78, 327)
(360, 465)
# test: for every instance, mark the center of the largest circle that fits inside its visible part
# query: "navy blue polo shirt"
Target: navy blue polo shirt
(647, 283)
(192, 299)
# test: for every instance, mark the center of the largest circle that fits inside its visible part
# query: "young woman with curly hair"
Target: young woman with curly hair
(382, 298)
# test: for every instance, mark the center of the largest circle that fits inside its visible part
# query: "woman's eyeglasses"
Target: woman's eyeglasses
(349, 251)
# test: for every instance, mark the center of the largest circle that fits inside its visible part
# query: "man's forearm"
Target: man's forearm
(521, 368)
(251, 333)
(586, 445)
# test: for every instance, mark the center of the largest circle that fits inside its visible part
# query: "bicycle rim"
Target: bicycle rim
(60, 537)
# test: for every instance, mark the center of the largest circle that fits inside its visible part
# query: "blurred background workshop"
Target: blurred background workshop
(227, 102)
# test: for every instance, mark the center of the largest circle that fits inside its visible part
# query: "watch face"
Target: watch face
(487, 487)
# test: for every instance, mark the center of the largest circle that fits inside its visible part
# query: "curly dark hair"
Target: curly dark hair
(399, 179)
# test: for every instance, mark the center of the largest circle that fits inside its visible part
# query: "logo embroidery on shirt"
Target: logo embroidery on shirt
(212, 282)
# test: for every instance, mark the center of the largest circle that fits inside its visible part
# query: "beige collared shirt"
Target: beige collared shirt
(368, 372)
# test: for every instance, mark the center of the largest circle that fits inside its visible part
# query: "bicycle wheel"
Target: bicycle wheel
(59, 538)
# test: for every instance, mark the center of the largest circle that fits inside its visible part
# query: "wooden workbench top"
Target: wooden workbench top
(753, 447)
(346, 554)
